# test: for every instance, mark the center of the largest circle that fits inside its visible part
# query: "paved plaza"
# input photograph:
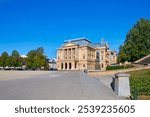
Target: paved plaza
(58, 85)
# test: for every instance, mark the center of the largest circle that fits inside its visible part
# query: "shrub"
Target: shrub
(114, 67)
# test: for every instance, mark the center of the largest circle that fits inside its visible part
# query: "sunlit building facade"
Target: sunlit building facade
(81, 54)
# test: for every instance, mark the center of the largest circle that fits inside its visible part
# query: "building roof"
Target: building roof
(51, 60)
(24, 56)
(78, 40)
(84, 41)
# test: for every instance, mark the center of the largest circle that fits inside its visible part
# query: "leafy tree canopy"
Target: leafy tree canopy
(36, 59)
(4, 59)
(15, 59)
(137, 42)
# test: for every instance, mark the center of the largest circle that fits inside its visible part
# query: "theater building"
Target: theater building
(81, 54)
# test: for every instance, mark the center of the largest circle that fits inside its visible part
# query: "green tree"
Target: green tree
(4, 59)
(137, 42)
(16, 60)
(36, 59)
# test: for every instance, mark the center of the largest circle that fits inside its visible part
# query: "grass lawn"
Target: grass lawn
(140, 83)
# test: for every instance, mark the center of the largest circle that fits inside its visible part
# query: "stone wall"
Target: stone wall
(111, 72)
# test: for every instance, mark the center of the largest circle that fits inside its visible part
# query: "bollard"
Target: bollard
(120, 84)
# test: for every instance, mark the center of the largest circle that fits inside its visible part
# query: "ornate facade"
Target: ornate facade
(81, 54)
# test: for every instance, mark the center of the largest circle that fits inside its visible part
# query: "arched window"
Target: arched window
(102, 65)
(70, 66)
(75, 65)
(65, 65)
(62, 67)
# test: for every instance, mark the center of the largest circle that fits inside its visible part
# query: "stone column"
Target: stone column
(63, 66)
(76, 52)
(73, 66)
(67, 53)
(63, 56)
(67, 66)
(71, 53)
(121, 84)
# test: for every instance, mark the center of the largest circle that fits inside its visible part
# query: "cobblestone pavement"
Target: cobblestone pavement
(66, 85)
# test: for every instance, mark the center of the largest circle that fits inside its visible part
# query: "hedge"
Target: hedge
(119, 67)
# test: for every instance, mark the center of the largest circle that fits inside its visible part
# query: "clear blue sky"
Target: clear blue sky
(28, 24)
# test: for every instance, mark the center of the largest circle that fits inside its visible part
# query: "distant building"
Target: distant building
(81, 54)
(24, 56)
(111, 57)
(52, 63)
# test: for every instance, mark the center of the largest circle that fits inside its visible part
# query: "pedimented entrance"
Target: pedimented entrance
(68, 66)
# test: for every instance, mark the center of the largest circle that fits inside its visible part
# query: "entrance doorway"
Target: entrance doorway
(75, 65)
(65, 65)
(70, 65)
(62, 67)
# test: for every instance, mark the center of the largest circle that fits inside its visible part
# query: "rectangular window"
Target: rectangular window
(83, 56)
